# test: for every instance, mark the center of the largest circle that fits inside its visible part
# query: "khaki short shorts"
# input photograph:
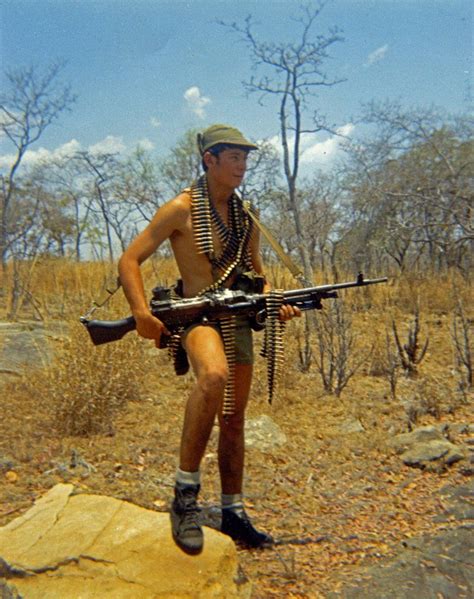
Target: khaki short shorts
(243, 339)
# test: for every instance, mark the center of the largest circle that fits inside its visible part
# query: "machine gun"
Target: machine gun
(183, 312)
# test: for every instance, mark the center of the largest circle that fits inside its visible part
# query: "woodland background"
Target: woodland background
(399, 203)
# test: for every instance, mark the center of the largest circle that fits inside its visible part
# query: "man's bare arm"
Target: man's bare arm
(168, 219)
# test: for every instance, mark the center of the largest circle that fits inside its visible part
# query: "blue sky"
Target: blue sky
(146, 71)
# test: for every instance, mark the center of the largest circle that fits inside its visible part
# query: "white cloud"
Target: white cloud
(376, 55)
(146, 144)
(110, 145)
(68, 149)
(314, 151)
(196, 101)
(273, 141)
(6, 161)
(154, 122)
(34, 157)
(346, 129)
(324, 151)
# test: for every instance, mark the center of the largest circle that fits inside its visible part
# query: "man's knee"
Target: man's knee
(232, 427)
(213, 381)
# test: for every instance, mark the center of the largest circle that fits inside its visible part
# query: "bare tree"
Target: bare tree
(392, 365)
(101, 170)
(292, 72)
(33, 216)
(138, 183)
(66, 180)
(183, 164)
(412, 352)
(295, 74)
(279, 220)
(102, 198)
(33, 101)
(114, 210)
(461, 336)
(321, 217)
(336, 360)
(261, 177)
(410, 186)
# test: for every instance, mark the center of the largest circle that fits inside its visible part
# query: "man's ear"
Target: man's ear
(208, 159)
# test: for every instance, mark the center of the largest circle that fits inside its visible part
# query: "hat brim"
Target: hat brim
(237, 144)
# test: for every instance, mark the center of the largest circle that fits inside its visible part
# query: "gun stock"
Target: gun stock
(104, 331)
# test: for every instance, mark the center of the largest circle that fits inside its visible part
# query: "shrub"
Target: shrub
(86, 386)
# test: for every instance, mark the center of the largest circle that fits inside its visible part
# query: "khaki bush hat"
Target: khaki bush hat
(222, 134)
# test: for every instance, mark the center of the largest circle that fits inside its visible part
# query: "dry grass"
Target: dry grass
(64, 289)
(86, 386)
(119, 408)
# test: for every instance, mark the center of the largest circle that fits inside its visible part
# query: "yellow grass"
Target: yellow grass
(61, 287)
(63, 290)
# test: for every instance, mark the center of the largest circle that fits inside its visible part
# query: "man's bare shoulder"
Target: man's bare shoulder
(182, 202)
(179, 206)
(175, 211)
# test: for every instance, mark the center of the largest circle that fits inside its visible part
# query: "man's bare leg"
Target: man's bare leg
(235, 521)
(231, 438)
(206, 354)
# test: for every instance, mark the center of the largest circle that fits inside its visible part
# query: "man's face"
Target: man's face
(228, 168)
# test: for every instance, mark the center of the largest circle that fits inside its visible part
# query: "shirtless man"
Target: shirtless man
(224, 153)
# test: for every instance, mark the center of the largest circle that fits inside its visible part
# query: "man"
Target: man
(212, 241)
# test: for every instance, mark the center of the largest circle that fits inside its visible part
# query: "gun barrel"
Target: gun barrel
(322, 289)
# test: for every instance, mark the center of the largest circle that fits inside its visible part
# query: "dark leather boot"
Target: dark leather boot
(242, 530)
(185, 527)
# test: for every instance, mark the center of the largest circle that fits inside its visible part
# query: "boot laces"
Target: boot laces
(189, 509)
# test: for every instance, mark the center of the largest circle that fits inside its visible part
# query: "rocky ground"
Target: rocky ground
(354, 509)
(437, 564)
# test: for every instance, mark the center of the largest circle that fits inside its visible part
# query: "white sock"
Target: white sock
(233, 502)
(188, 478)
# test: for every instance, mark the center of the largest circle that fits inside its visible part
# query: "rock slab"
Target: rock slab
(426, 445)
(27, 345)
(96, 547)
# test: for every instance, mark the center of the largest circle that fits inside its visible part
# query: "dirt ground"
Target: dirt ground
(333, 500)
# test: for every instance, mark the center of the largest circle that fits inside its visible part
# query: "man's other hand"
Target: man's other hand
(288, 312)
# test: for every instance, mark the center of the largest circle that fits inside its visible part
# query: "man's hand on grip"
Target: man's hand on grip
(150, 327)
